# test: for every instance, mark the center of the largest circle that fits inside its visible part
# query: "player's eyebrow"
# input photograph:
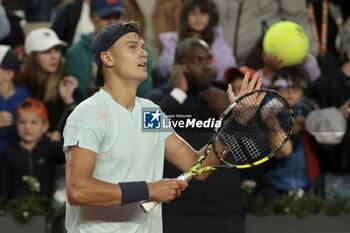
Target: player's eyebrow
(136, 43)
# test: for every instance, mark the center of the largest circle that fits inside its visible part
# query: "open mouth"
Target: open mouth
(143, 64)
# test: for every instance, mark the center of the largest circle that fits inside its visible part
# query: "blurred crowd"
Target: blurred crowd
(47, 69)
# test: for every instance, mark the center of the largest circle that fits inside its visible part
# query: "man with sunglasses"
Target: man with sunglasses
(79, 58)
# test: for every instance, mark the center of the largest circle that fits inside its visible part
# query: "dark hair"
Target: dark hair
(37, 81)
(205, 6)
(185, 45)
(295, 76)
(134, 25)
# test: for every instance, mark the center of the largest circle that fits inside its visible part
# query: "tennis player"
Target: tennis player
(111, 164)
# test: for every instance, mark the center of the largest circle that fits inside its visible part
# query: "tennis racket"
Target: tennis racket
(253, 129)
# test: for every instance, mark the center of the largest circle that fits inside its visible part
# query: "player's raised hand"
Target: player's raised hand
(166, 190)
(247, 86)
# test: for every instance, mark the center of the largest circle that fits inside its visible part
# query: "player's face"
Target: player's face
(201, 70)
(130, 57)
(292, 94)
(49, 60)
(197, 20)
(30, 127)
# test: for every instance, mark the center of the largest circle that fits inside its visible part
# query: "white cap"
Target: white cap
(327, 125)
(41, 39)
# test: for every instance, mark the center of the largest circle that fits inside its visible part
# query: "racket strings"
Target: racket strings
(242, 150)
(258, 126)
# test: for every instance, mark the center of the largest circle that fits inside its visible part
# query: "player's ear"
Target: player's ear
(106, 58)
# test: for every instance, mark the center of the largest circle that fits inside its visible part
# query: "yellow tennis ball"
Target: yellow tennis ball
(288, 41)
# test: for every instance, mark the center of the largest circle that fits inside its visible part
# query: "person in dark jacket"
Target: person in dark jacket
(11, 95)
(31, 154)
(72, 20)
(331, 125)
(216, 204)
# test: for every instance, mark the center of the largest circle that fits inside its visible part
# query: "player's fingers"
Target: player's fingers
(245, 82)
(259, 83)
(231, 96)
(253, 82)
(347, 103)
(178, 192)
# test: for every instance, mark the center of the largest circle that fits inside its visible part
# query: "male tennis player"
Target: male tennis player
(111, 163)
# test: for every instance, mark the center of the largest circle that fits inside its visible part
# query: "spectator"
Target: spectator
(5, 27)
(326, 19)
(31, 154)
(299, 169)
(72, 20)
(212, 202)
(330, 125)
(39, 10)
(155, 16)
(272, 64)
(15, 37)
(79, 59)
(44, 76)
(198, 19)
(11, 95)
(244, 22)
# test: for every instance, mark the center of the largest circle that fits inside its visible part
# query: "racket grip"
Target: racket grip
(147, 206)
(185, 177)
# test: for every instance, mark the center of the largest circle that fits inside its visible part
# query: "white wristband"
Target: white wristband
(179, 95)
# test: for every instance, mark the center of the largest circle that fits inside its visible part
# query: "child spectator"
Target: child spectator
(198, 19)
(31, 154)
(10, 94)
(44, 76)
(299, 169)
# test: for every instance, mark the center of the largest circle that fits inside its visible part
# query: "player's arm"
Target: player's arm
(180, 154)
(83, 189)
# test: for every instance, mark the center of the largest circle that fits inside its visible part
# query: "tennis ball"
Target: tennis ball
(288, 41)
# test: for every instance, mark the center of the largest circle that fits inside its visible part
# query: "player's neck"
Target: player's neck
(123, 95)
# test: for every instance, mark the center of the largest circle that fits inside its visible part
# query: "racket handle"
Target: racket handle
(147, 206)
(185, 177)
